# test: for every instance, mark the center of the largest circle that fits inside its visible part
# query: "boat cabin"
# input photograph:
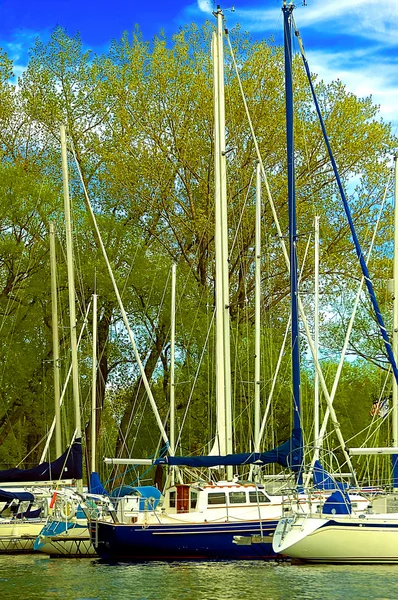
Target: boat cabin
(184, 498)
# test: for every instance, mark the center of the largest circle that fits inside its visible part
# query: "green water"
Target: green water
(36, 577)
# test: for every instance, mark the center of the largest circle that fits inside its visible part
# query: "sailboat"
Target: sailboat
(24, 501)
(334, 533)
(65, 532)
(339, 536)
(208, 519)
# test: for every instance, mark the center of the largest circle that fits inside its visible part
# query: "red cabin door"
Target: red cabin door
(182, 498)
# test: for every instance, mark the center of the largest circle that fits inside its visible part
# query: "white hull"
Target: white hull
(65, 538)
(340, 539)
(73, 543)
(19, 536)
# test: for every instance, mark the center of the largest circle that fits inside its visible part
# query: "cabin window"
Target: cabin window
(258, 496)
(172, 499)
(194, 499)
(237, 497)
(216, 498)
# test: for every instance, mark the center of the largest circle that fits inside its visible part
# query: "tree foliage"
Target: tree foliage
(140, 131)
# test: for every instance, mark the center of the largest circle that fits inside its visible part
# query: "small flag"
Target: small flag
(380, 408)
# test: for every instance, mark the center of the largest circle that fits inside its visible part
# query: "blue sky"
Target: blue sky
(355, 40)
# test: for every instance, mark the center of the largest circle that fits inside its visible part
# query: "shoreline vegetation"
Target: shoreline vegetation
(139, 120)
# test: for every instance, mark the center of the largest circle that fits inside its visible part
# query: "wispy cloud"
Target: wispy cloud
(352, 40)
(372, 20)
(360, 77)
(17, 48)
(205, 6)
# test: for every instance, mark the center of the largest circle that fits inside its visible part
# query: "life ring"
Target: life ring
(67, 509)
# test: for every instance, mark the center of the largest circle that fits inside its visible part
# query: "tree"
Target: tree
(140, 130)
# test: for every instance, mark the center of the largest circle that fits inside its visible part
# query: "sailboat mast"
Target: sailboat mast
(223, 360)
(94, 388)
(54, 311)
(395, 332)
(287, 18)
(316, 337)
(172, 357)
(71, 287)
(257, 319)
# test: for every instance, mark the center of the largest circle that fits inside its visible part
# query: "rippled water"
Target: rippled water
(37, 577)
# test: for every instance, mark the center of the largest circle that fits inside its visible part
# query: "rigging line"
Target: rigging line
(51, 430)
(351, 323)
(195, 379)
(14, 286)
(369, 427)
(125, 319)
(21, 227)
(152, 339)
(134, 409)
(129, 271)
(286, 257)
(365, 271)
(31, 450)
(162, 301)
(237, 230)
(279, 361)
(271, 202)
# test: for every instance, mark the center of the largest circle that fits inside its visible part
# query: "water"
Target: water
(31, 577)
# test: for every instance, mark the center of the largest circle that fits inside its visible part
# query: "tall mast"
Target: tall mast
(257, 318)
(172, 366)
(316, 339)
(172, 358)
(287, 20)
(71, 287)
(54, 310)
(94, 389)
(395, 331)
(223, 360)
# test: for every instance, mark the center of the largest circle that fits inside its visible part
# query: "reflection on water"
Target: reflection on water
(33, 577)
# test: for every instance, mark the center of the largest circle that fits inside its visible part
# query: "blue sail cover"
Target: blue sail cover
(67, 466)
(9, 497)
(95, 485)
(146, 492)
(289, 454)
(6, 496)
(338, 503)
(324, 481)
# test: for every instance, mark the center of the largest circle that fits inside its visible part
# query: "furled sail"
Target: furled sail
(67, 466)
(289, 454)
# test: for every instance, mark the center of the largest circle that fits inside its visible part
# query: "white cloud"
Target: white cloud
(357, 71)
(371, 21)
(205, 6)
(352, 40)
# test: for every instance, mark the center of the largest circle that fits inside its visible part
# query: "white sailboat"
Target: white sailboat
(65, 532)
(24, 504)
(333, 532)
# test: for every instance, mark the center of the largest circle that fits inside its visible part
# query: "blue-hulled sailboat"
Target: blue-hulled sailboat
(225, 519)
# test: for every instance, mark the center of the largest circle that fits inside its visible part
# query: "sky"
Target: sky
(353, 40)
